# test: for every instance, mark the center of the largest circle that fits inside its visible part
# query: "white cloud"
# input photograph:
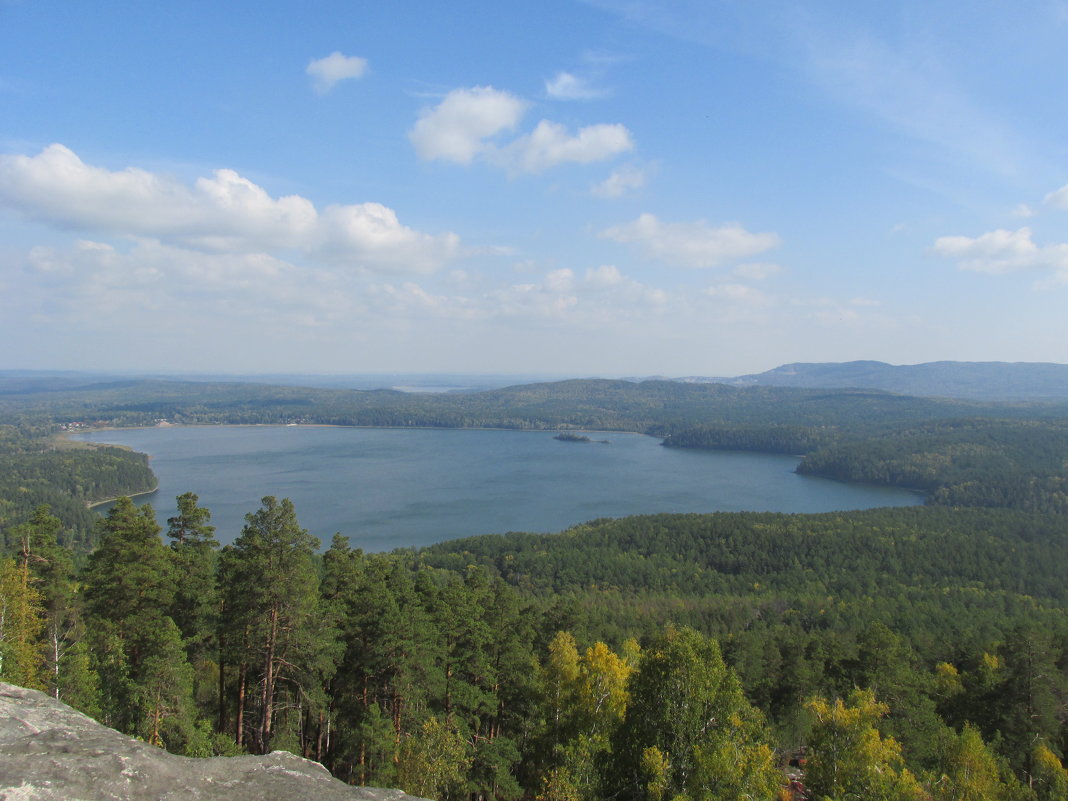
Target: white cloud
(95, 277)
(463, 126)
(1023, 210)
(566, 86)
(326, 72)
(221, 213)
(1058, 198)
(457, 128)
(560, 280)
(999, 252)
(624, 179)
(371, 233)
(691, 244)
(609, 285)
(545, 300)
(607, 275)
(550, 144)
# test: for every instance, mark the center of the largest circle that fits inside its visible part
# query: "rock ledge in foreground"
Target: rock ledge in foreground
(50, 752)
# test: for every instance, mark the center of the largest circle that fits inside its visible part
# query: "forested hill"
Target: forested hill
(505, 667)
(972, 380)
(649, 406)
(916, 654)
(912, 568)
(959, 452)
(1014, 463)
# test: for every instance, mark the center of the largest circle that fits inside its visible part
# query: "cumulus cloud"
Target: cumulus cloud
(221, 213)
(371, 233)
(1058, 198)
(327, 72)
(1001, 251)
(560, 280)
(691, 244)
(457, 128)
(625, 179)
(550, 144)
(464, 126)
(566, 86)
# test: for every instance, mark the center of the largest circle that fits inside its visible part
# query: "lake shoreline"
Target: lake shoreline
(66, 435)
(385, 489)
(131, 496)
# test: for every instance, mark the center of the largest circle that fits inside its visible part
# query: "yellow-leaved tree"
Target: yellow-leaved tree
(971, 771)
(585, 699)
(849, 759)
(689, 734)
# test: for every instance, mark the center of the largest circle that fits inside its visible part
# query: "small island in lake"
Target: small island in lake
(567, 436)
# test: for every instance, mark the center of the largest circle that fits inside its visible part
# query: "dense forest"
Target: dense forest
(975, 461)
(908, 653)
(36, 468)
(914, 653)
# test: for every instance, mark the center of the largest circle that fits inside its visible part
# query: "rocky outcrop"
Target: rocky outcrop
(50, 752)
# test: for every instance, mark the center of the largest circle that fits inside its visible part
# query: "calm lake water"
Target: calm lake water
(393, 488)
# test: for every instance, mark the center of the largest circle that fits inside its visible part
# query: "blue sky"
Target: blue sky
(589, 188)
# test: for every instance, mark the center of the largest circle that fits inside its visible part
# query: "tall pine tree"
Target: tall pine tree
(270, 600)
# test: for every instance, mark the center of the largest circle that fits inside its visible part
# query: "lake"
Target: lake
(393, 488)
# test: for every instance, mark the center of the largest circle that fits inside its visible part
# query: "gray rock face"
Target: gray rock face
(49, 752)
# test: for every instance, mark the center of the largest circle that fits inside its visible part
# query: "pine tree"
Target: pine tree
(270, 597)
(164, 695)
(130, 585)
(194, 546)
(130, 579)
(196, 600)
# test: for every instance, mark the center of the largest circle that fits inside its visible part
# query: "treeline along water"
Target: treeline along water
(393, 488)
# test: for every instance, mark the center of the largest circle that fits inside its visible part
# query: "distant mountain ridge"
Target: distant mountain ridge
(965, 380)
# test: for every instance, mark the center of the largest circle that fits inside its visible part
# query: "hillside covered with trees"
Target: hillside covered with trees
(914, 653)
(910, 653)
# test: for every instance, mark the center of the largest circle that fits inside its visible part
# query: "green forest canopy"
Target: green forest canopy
(926, 647)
